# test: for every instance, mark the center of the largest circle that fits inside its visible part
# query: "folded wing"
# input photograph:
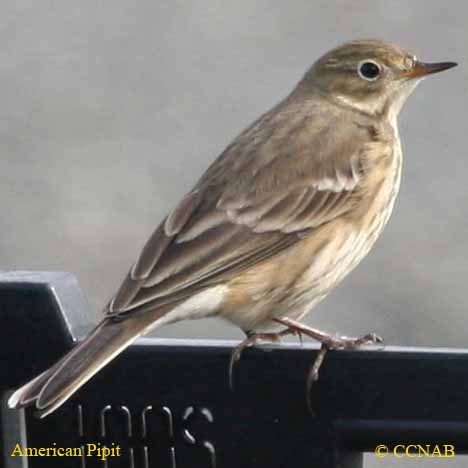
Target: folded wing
(279, 180)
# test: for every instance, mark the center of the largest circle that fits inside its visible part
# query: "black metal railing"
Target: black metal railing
(167, 403)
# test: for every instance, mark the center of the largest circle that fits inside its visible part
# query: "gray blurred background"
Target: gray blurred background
(111, 110)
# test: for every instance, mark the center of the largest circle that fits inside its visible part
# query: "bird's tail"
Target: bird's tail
(55, 386)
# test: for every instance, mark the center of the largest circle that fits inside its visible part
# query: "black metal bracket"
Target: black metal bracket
(167, 403)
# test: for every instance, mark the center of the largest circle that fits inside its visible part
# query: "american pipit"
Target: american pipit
(290, 207)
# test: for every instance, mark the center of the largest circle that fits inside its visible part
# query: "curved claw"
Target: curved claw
(373, 338)
(336, 342)
(313, 376)
(251, 340)
(235, 357)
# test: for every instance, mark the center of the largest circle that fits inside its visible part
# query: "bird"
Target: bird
(276, 222)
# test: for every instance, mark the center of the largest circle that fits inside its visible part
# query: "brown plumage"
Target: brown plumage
(285, 212)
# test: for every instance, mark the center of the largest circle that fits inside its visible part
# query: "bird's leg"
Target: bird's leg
(328, 342)
(251, 340)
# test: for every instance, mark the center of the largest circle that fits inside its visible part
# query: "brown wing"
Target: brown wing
(291, 171)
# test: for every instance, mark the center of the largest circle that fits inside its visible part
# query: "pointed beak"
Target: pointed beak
(422, 69)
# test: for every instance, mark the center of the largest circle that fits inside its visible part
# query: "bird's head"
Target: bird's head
(372, 76)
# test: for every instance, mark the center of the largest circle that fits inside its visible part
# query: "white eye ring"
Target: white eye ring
(371, 62)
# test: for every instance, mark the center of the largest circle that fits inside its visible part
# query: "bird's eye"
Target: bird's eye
(369, 70)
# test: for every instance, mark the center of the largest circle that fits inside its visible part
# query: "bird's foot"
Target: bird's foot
(329, 342)
(251, 340)
(346, 342)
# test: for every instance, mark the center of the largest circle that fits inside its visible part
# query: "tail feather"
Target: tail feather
(55, 386)
(29, 392)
